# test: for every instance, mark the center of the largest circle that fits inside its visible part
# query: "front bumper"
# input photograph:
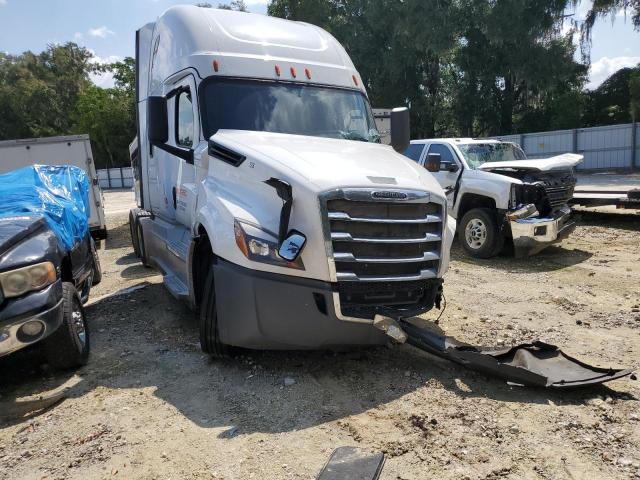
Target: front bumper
(532, 234)
(44, 306)
(270, 311)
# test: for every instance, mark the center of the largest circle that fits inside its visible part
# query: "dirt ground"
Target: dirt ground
(150, 405)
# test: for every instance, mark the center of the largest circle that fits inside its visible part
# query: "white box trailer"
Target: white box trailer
(382, 117)
(66, 150)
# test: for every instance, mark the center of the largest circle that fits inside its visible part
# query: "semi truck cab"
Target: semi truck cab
(264, 195)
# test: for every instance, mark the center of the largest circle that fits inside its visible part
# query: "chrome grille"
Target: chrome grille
(559, 188)
(385, 252)
(388, 240)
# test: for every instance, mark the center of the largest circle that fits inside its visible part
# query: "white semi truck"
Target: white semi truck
(269, 205)
(265, 196)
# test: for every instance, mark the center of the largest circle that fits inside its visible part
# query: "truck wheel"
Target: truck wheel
(142, 251)
(209, 337)
(97, 269)
(68, 346)
(478, 233)
(133, 230)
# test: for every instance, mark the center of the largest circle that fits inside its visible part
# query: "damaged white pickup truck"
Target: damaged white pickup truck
(497, 194)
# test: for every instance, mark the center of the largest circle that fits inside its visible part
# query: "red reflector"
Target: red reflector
(355, 80)
(293, 72)
(216, 65)
(277, 70)
(307, 72)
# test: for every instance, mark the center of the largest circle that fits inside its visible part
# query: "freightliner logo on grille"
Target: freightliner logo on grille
(389, 194)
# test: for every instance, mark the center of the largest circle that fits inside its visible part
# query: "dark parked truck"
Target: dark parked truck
(48, 263)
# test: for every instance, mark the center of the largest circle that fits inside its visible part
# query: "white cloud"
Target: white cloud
(3, 3)
(606, 66)
(101, 32)
(254, 2)
(104, 80)
(78, 36)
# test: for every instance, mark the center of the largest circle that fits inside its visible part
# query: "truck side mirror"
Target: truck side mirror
(433, 162)
(449, 166)
(400, 129)
(157, 120)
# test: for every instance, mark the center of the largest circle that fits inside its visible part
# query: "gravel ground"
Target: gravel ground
(150, 405)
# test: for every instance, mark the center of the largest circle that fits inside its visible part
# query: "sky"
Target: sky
(107, 28)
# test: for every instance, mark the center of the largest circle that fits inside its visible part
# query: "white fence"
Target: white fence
(115, 178)
(604, 148)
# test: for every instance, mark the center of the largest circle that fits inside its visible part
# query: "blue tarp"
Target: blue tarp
(60, 194)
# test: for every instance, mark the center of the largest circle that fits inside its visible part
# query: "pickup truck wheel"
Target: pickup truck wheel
(478, 233)
(209, 336)
(68, 346)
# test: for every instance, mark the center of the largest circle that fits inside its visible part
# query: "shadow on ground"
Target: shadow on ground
(144, 338)
(117, 237)
(550, 259)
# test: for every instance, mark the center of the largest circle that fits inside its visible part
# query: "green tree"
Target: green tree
(465, 66)
(612, 102)
(38, 91)
(634, 96)
(604, 8)
(108, 115)
(399, 61)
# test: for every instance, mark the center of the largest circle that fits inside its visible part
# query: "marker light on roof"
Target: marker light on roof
(355, 80)
(307, 72)
(293, 72)
(216, 66)
(278, 70)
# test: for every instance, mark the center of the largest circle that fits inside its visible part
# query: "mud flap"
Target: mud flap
(536, 364)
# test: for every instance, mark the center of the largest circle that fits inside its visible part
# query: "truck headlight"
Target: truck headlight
(260, 245)
(26, 279)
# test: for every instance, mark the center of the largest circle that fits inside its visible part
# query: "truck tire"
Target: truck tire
(141, 247)
(478, 233)
(209, 336)
(68, 346)
(97, 269)
(133, 230)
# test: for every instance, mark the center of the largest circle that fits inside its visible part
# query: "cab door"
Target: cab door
(186, 135)
(450, 169)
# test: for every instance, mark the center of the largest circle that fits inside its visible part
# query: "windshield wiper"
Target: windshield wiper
(354, 136)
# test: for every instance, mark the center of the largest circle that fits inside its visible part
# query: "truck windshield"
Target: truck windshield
(478, 153)
(280, 107)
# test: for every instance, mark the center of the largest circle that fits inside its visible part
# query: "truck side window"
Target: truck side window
(414, 151)
(184, 120)
(445, 153)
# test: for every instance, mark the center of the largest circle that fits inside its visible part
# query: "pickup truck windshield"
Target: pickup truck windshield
(478, 153)
(283, 107)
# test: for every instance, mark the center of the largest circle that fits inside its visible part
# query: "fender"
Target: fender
(489, 185)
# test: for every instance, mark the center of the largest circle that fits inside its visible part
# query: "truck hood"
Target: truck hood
(14, 229)
(330, 163)
(559, 162)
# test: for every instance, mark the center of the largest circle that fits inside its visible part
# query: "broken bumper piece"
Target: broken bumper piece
(534, 364)
(533, 233)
